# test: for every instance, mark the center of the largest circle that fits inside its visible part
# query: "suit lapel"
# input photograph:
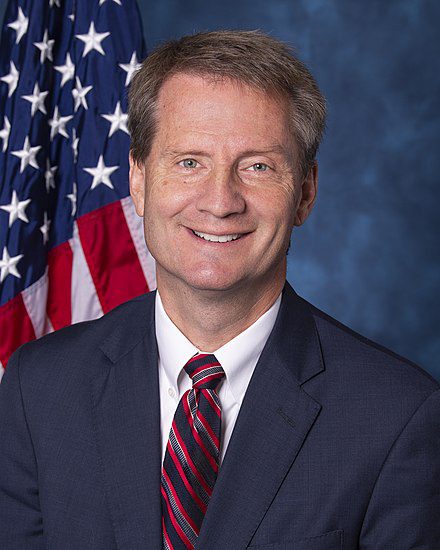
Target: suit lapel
(126, 405)
(274, 420)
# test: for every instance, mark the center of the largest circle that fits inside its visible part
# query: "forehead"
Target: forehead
(201, 107)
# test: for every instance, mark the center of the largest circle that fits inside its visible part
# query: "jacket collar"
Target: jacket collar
(274, 419)
(294, 337)
(129, 324)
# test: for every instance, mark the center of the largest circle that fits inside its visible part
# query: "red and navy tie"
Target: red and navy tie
(191, 460)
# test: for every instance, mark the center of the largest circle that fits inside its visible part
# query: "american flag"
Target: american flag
(71, 245)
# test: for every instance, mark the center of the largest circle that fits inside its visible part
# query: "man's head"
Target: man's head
(249, 57)
(225, 128)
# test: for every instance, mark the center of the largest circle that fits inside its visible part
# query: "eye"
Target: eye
(189, 163)
(259, 167)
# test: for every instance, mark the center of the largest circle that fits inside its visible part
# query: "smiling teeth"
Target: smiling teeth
(217, 238)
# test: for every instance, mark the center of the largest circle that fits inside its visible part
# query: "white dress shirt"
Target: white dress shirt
(238, 357)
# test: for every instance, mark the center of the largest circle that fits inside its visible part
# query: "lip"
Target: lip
(217, 234)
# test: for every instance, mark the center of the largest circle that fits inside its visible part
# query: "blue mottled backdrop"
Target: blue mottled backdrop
(369, 253)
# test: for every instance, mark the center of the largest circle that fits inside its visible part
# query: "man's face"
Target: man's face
(220, 190)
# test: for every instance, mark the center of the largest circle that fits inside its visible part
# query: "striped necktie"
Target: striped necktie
(191, 460)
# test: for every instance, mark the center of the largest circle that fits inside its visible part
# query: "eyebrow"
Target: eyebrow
(275, 149)
(249, 152)
(170, 152)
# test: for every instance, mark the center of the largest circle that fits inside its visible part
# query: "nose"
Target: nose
(220, 194)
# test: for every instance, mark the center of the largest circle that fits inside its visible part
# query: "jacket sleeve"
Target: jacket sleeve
(21, 523)
(404, 509)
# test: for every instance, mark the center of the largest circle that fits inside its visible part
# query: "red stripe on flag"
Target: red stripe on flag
(15, 327)
(111, 256)
(59, 294)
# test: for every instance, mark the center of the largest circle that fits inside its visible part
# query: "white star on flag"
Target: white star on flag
(11, 79)
(54, 2)
(115, 1)
(118, 120)
(4, 134)
(58, 124)
(45, 47)
(45, 228)
(79, 94)
(27, 155)
(67, 70)
(37, 100)
(75, 143)
(8, 265)
(20, 25)
(49, 176)
(130, 68)
(71, 17)
(72, 198)
(92, 40)
(101, 174)
(16, 209)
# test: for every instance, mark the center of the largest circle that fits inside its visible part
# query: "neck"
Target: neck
(210, 319)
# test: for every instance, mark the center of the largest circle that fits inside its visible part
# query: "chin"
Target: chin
(200, 276)
(210, 284)
(211, 281)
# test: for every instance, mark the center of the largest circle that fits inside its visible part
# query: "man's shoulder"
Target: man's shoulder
(77, 345)
(357, 358)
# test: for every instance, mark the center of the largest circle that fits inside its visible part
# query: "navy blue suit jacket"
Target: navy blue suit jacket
(337, 442)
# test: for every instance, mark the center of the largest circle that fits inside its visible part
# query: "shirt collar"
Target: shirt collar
(238, 357)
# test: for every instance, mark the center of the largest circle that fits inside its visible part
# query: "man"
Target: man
(223, 411)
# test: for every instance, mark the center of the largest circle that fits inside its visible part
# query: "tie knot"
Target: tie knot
(205, 371)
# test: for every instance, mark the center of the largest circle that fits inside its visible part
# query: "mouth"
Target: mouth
(226, 238)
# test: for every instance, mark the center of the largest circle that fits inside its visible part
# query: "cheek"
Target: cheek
(165, 197)
(170, 187)
(276, 208)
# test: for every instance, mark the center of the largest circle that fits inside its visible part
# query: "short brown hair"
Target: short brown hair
(249, 57)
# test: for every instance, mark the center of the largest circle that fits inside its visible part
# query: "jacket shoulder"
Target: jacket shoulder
(367, 361)
(77, 346)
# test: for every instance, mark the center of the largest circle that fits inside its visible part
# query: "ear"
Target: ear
(307, 197)
(137, 185)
